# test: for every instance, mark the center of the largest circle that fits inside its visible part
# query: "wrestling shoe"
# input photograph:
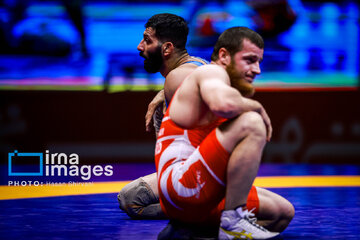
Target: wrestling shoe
(241, 224)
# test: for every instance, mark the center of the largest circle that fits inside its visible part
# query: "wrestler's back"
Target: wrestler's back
(175, 78)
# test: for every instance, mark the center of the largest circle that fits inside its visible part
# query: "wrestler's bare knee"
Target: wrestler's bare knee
(275, 212)
(246, 124)
(288, 213)
(283, 216)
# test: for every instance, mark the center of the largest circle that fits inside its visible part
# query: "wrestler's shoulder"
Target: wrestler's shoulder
(212, 67)
(181, 71)
(210, 70)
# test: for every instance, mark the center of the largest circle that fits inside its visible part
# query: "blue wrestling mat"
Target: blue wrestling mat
(322, 210)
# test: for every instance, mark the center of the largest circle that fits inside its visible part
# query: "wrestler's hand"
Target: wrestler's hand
(158, 99)
(267, 122)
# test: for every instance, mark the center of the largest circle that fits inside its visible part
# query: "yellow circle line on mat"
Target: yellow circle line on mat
(71, 188)
(307, 181)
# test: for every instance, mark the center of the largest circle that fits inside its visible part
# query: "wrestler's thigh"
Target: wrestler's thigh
(201, 177)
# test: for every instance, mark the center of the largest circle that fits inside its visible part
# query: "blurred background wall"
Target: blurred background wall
(72, 81)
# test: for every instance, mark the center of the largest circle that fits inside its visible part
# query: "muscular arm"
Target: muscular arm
(224, 100)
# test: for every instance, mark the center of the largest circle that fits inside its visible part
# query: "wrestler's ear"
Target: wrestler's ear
(167, 48)
(224, 56)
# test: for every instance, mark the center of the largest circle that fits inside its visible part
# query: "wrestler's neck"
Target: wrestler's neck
(219, 63)
(174, 61)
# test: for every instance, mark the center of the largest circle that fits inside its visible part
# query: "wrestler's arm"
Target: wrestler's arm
(155, 104)
(224, 100)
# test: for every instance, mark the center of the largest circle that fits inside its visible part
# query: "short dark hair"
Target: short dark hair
(232, 40)
(169, 28)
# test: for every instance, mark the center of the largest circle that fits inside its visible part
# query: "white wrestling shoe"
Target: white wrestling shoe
(241, 224)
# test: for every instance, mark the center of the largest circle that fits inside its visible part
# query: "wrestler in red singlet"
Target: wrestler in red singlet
(191, 166)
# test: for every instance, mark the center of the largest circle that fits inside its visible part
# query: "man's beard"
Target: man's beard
(154, 61)
(237, 81)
